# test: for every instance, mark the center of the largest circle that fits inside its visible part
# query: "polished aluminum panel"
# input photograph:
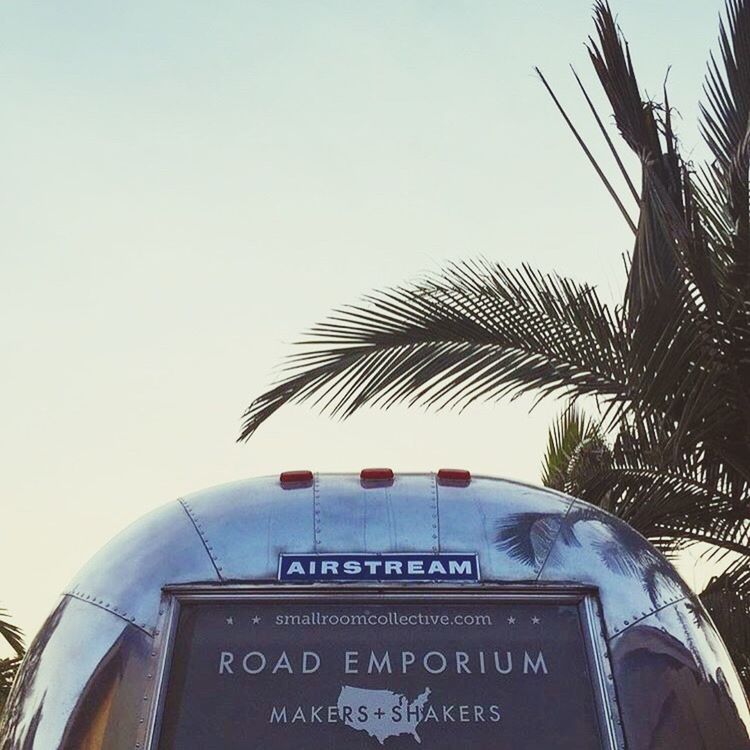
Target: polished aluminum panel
(596, 548)
(83, 678)
(675, 657)
(674, 683)
(511, 526)
(382, 517)
(246, 525)
(127, 576)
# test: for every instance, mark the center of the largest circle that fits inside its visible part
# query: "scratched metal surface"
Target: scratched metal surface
(88, 679)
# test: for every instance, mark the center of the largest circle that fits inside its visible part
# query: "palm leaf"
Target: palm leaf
(647, 129)
(8, 670)
(675, 503)
(725, 119)
(476, 331)
(568, 434)
(12, 634)
(727, 599)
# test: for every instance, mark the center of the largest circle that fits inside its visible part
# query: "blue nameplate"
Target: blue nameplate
(396, 566)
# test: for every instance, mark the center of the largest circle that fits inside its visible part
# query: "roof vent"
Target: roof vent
(455, 477)
(372, 476)
(294, 479)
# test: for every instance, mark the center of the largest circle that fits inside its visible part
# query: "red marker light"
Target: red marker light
(376, 475)
(454, 476)
(296, 478)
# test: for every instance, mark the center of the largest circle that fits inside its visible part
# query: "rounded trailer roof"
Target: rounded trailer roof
(89, 677)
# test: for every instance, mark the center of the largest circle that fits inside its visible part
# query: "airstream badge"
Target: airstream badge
(419, 566)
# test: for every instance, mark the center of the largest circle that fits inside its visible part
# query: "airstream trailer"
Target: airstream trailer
(337, 611)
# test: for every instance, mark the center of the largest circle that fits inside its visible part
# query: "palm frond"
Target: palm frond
(608, 140)
(725, 121)
(592, 160)
(673, 504)
(610, 56)
(477, 331)
(12, 634)
(652, 138)
(8, 670)
(570, 432)
(727, 599)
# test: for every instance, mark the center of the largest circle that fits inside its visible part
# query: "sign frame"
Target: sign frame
(399, 557)
(585, 598)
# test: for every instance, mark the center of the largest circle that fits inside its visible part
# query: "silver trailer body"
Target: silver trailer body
(97, 675)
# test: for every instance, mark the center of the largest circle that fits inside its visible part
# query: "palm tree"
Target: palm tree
(668, 447)
(13, 636)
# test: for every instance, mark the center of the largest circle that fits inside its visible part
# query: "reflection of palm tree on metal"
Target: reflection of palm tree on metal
(652, 660)
(536, 538)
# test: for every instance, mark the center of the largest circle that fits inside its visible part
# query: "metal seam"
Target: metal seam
(157, 671)
(198, 529)
(436, 513)
(554, 541)
(365, 495)
(316, 512)
(646, 616)
(101, 604)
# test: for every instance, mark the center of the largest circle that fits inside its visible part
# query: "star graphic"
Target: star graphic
(230, 620)
(511, 621)
(535, 620)
(256, 620)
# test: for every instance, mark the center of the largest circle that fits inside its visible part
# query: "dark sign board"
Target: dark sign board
(335, 675)
(392, 566)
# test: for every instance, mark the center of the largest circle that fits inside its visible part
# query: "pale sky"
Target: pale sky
(187, 186)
